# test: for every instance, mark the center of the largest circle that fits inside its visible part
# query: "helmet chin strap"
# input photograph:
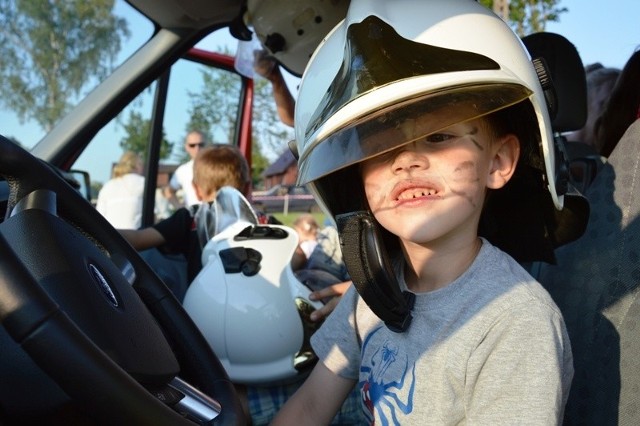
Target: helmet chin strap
(371, 271)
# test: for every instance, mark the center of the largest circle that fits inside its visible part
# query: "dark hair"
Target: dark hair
(622, 107)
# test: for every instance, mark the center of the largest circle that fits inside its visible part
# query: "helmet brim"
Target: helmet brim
(404, 122)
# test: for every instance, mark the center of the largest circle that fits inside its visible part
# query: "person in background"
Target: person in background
(318, 264)
(183, 176)
(120, 199)
(622, 107)
(600, 82)
(307, 229)
(214, 167)
(266, 66)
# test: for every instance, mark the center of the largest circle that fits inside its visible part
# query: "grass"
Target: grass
(290, 217)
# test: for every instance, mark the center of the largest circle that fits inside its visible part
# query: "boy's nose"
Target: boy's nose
(408, 159)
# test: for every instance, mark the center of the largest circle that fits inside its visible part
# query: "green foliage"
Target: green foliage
(268, 131)
(530, 16)
(138, 130)
(50, 50)
(259, 164)
(214, 110)
(288, 219)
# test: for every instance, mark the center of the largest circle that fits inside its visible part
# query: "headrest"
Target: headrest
(567, 75)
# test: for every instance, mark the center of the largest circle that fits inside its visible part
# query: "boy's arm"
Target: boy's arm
(317, 401)
(142, 239)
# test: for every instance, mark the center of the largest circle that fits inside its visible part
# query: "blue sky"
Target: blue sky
(606, 32)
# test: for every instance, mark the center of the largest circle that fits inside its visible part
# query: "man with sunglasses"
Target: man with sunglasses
(183, 176)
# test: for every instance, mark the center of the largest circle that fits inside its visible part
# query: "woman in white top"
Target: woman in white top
(120, 199)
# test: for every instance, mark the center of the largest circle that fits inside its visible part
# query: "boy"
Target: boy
(214, 167)
(429, 109)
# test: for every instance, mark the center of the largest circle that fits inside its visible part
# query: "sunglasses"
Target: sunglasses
(193, 145)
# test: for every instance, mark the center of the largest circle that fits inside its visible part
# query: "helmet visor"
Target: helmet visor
(405, 122)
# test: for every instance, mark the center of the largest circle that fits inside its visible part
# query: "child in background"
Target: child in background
(214, 167)
(307, 229)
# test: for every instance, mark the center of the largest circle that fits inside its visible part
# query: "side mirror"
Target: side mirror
(83, 181)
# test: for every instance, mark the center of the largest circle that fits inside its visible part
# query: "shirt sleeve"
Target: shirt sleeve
(336, 342)
(174, 182)
(521, 371)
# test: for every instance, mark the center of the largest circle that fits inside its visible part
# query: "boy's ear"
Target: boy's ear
(505, 159)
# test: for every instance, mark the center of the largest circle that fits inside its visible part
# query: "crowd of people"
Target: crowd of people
(476, 314)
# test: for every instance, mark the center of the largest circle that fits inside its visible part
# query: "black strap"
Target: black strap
(371, 271)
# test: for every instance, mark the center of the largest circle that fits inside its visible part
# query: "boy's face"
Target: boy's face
(434, 188)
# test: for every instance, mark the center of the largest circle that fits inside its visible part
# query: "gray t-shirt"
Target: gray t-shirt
(491, 348)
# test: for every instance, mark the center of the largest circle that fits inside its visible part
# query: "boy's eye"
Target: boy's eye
(438, 137)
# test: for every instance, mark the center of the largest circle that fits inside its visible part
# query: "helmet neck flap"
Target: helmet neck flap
(370, 270)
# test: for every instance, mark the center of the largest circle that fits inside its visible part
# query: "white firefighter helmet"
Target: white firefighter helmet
(246, 300)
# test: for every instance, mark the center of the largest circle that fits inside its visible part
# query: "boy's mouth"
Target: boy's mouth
(410, 190)
(416, 193)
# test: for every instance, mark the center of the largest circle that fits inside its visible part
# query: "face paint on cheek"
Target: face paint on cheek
(471, 136)
(464, 179)
(375, 195)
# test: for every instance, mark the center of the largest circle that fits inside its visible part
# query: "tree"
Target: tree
(530, 16)
(50, 50)
(138, 131)
(215, 115)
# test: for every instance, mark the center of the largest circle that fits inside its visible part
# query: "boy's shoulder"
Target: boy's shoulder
(499, 277)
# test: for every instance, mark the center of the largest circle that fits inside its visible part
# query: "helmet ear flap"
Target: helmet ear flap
(371, 271)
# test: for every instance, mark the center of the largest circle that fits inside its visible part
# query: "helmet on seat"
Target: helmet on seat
(246, 300)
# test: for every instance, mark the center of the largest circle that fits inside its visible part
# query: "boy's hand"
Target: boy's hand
(334, 291)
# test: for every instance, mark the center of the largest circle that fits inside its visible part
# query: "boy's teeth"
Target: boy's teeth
(415, 194)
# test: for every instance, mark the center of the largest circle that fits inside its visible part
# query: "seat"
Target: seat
(567, 74)
(520, 219)
(596, 285)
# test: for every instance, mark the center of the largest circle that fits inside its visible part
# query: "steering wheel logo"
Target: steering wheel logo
(103, 284)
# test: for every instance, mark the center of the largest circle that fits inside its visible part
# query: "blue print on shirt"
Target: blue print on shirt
(380, 388)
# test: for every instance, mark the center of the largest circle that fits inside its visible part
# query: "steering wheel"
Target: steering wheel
(91, 314)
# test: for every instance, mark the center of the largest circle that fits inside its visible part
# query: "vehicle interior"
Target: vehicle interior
(92, 334)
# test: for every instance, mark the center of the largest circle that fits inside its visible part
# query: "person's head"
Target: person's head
(306, 226)
(600, 82)
(217, 166)
(622, 107)
(129, 162)
(194, 142)
(446, 174)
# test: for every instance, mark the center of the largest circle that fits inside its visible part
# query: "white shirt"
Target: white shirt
(182, 179)
(120, 201)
